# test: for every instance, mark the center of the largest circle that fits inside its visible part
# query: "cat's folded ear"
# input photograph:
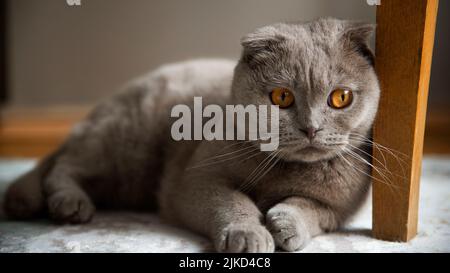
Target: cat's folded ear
(356, 36)
(261, 44)
(262, 39)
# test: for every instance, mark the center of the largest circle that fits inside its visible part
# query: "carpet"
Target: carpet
(143, 232)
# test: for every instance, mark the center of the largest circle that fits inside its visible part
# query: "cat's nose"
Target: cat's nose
(310, 132)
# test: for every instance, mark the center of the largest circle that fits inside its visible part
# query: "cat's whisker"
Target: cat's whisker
(361, 159)
(253, 183)
(380, 151)
(401, 163)
(207, 162)
(238, 142)
(380, 145)
(365, 137)
(227, 154)
(363, 172)
(371, 156)
(258, 152)
(382, 155)
(257, 167)
(255, 172)
(259, 172)
(219, 162)
(220, 158)
(383, 165)
(278, 158)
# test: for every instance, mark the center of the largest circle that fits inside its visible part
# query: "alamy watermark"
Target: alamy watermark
(373, 2)
(239, 122)
(73, 2)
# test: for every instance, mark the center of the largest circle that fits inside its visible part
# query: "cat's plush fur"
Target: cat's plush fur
(122, 155)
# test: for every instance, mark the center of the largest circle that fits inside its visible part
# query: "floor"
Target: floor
(132, 232)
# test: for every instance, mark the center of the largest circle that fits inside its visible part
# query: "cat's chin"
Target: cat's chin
(310, 154)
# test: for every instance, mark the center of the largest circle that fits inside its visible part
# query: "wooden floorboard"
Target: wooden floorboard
(36, 132)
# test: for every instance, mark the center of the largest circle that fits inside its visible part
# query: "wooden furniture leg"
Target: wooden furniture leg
(404, 45)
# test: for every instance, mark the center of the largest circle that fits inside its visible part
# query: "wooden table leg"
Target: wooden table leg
(404, 45)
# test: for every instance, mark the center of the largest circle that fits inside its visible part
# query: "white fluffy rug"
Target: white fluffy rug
(132, 232)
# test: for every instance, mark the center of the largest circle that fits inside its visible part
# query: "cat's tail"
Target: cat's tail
(24, 198)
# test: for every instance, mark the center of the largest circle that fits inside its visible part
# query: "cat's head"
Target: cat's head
(321, 74)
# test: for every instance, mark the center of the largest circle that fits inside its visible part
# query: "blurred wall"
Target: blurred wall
(439, 99)
(60, 54)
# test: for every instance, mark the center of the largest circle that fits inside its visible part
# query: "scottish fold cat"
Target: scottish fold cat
(122, 156)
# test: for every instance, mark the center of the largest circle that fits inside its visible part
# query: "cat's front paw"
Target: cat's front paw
(287, 228)
(245, 238)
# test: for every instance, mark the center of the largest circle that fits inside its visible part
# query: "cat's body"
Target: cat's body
(122, 155)
(121, 148)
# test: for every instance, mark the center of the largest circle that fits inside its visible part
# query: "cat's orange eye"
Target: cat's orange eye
(282, 97)
(340, 98)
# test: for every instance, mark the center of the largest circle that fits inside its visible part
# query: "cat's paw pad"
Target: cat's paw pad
(287, 229)
(70, 207)
(248, 238)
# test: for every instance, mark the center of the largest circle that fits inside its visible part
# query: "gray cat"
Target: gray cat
(122, 155)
